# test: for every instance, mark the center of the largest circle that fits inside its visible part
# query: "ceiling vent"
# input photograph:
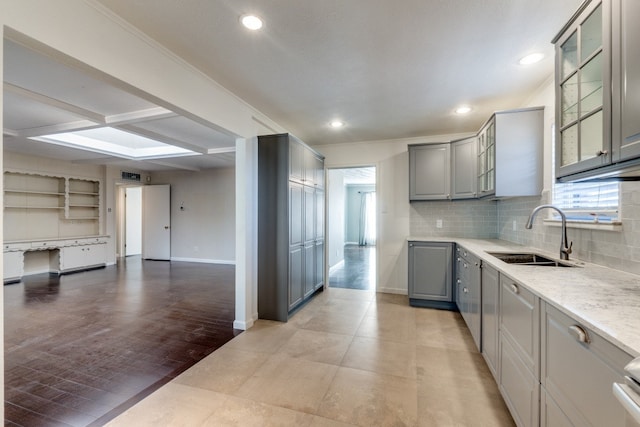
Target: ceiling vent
(131, 176)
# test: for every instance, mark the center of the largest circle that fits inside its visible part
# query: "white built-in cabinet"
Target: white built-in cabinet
(51, 223)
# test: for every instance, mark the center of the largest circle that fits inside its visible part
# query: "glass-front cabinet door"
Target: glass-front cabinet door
(487, 159)
(582, 76)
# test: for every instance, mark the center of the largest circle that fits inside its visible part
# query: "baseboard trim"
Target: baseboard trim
(242, 324)
(204, 261)
(392, 291)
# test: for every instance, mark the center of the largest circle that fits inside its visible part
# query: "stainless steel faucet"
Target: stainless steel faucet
(564, 249)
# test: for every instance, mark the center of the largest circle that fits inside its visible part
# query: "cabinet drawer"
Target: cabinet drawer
(579, 375)
(520, 321)
(45, 244)
(518, 386)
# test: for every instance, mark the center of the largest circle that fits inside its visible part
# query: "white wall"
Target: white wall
(202, 214)
(335, 216)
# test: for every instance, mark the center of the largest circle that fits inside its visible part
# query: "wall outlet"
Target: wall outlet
(438, 223)
(515, 226)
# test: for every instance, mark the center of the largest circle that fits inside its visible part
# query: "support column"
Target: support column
(246, 233)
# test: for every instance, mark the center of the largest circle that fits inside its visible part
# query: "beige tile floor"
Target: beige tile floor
(348, 357)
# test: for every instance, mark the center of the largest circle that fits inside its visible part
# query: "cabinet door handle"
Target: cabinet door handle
(465, 290)
(458, 281)
(579, 334)
(602, 152)
(514, 289)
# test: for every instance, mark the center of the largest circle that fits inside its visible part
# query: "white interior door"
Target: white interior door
(133, 221)
(156, 222)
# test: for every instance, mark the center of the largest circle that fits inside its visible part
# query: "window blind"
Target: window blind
(585, 200)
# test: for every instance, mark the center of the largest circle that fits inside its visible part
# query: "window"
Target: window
(586, 201)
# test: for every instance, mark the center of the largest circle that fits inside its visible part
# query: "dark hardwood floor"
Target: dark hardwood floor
(358, 271)
(82, 348)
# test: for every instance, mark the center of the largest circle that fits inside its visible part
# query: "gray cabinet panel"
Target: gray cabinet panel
(296, 161)
(319, 265)
(579, 375)
(464, 179)
(430, 271)
(627, 43)
(468, 286)
(520, 321)
(309, 216)
(490, 319)
(319, 213)
(550, 413)
(429, 172)
(296, 214)
(296, 281)
(519, 387)
(309, 269)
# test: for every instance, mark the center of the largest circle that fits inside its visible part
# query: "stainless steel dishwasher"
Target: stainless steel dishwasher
(628, 394)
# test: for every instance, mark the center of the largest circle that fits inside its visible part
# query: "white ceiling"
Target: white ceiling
(44, 95)
(388, 69)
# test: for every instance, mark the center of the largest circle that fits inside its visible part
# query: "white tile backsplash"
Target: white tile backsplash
(489, 219)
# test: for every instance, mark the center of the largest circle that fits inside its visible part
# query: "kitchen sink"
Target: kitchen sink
(528, 259)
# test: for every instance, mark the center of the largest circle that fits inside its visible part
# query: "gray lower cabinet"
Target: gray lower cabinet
(290, 225)
(430, 274)
(519, 367)
(519, 387)
(490, 317)
(429, 172)
(468, 291)
(550, 413)
(578, 370)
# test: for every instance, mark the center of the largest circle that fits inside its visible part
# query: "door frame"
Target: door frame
(327, 224)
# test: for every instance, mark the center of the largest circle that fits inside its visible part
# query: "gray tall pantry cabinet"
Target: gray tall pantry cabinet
(290, 225)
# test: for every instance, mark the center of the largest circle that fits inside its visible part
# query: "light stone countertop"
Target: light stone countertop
(605, 300)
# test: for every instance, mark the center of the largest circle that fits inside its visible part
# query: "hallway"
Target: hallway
(82, 348)
(358, 271)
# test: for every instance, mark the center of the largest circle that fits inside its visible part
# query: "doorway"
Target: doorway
(133, 221)
(352, 227)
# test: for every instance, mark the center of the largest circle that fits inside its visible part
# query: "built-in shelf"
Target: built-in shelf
(42, 206)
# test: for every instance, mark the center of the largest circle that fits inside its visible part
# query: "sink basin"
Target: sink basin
(528, 259)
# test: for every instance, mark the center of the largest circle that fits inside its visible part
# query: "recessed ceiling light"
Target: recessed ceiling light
(336, 124)
(531, 58)
(463, 109)
(251, 22)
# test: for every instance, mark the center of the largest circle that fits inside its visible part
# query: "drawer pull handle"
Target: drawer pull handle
(465, 290)
(514, 288)
(579, 334)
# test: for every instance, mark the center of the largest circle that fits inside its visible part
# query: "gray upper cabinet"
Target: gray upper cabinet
(583, 102)
(290, 225)
(626, 80)
(510, 148)
(429, 172)
(597, 92)
(464, 166)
